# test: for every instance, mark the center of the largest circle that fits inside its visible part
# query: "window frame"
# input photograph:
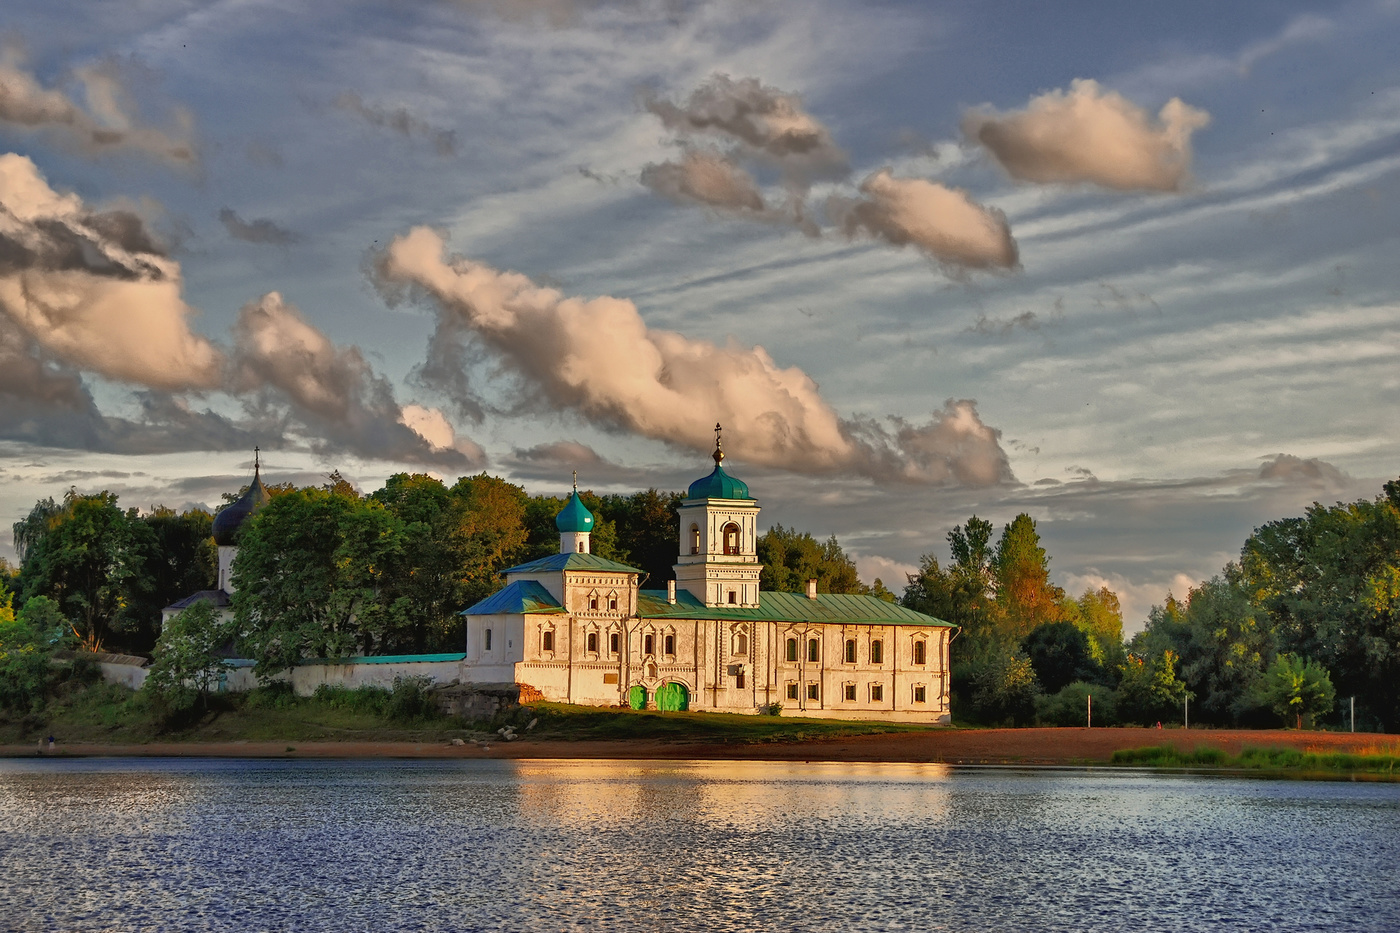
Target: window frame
(814, 691)
(877, 651)
(792, 690)
(920, 693)
(849, 652)
(920, 651)
(814, 650)
(877, 693)
(848, 691)
(732, 538)
(793, 651)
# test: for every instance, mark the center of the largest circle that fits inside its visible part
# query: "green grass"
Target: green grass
(1262, 759)
(111, 715)
(563, 721)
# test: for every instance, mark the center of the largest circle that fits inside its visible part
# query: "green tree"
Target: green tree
(648, 531)
(996, 686)
(963, 593)
(1149, 690)
(1025, 597)
(27, 643)
(1295, 687)
(1059, 653)
(790, 558)
(310, 577)
(87, 556)
(1098, 614)
(188, 661)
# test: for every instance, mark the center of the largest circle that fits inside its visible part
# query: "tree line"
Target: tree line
(1310, 611)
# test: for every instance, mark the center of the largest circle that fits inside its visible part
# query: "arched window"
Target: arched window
(592, 602)
(920, 652)
(648, 644)
(731, 539)
(877, 652)
(695, 539)
(791, 648)
(851, 653)
(593, 642)
(487, 642)
(614, 642)
(669, 644)
(612, 603)
(814, 650)
(741, 644)
(547, 640)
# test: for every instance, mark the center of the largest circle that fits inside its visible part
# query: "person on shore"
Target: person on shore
(51, 740)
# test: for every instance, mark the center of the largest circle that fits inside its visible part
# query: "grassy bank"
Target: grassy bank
(1284, 760)
(105, 714)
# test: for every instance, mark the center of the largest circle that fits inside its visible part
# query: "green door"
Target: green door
(672, 698)
(637, 697)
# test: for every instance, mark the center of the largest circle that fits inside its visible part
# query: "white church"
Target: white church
(577, 628)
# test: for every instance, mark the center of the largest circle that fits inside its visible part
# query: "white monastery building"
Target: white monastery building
(577, 628)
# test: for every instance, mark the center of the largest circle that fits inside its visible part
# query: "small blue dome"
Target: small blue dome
(575, 516)
(718, 485)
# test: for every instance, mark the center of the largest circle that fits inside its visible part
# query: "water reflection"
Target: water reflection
(186, 845)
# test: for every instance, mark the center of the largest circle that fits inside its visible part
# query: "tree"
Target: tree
(27, 643)
(1025, 597)
(1059, 653)
(187, 662)
(997, 686)
(1098, 614)
(648, 531)
(790, 558)
(174, 556)
(86, 557)
(310, 576)
(1295, 687)
(962, 594)
(1149, 690)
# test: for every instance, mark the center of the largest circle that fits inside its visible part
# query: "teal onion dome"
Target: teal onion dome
(718, 485)
(574, 517)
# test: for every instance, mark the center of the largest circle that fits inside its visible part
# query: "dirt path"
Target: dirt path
(964, 746)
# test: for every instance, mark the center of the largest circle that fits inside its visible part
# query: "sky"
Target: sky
(1131, 269)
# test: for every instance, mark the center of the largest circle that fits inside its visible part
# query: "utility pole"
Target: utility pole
(1089, 716)
(1186, 711)
(1353, 714)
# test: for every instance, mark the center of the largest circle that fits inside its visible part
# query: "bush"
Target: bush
(412, 699)
(275, 695)
(1070, 706)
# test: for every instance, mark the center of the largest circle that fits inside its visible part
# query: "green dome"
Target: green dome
(718, 485)
(574, 516)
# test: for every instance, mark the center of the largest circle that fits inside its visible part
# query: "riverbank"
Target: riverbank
(1064, 746)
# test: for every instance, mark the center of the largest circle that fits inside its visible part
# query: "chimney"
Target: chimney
(812, 588)
(671, 592)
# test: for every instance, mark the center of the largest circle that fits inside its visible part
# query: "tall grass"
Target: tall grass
(1379, 761)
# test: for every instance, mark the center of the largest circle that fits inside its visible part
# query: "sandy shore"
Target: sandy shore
(953, 746)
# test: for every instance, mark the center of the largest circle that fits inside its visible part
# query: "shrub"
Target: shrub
(1069, 707)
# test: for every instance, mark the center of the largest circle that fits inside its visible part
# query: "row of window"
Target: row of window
(848, 692)
(614, 642)
(877, 651)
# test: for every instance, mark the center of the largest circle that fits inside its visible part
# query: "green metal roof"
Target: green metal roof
(575, 561)
(574, 516)
(375, 659)
(718, 485)
(787, 607)
(521, 597)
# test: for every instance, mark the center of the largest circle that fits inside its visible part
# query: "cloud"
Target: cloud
(400, 120)
(255, 231)
(762, 122)
(1287, 468)
(105, 125)
(334, 390)
(705, 177)
(598, 358)
(945, 223)
(1090, 135)
(93, 288)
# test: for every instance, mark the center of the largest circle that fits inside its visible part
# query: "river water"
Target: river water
(142, 844)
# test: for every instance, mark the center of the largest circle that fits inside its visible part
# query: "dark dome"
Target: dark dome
(231, 517)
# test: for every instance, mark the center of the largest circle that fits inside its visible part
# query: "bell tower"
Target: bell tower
(719, 535)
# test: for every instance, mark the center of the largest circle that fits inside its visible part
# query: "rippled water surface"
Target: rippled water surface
(494, 845)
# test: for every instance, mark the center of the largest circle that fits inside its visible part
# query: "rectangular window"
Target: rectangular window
(593, 642)
(733, 598)
(850, 691)
(920, 652)
(548, 641)
(614, 642)
(670, 643)
(814, 650)
(648, 644)
(850, 651)
(877, 692)
(877, 652)
(920, 694)
(487, 641)
(814, 692)
(792, 690)
(739, 679)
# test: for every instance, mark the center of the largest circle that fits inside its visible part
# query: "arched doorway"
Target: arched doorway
(672, 698)
(637, 697)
